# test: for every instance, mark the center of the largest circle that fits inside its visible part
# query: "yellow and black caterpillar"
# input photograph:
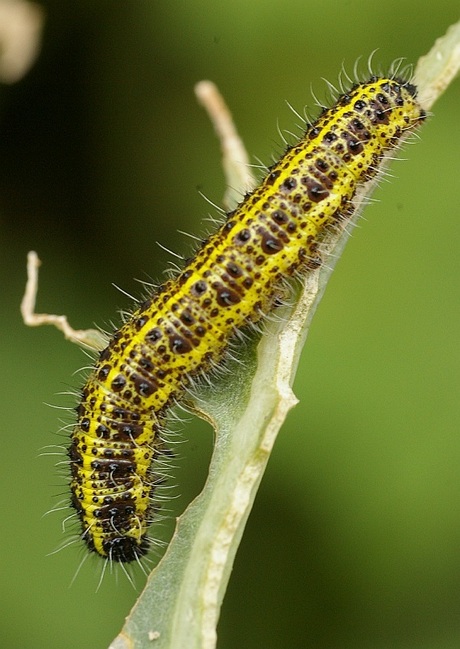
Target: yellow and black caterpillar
(183, 329)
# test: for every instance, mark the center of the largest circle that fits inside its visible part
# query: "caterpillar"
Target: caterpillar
(183, 330)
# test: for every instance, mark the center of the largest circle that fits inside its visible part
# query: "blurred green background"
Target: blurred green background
(354, 540)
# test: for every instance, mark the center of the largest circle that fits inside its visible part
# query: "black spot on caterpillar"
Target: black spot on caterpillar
(183, 330)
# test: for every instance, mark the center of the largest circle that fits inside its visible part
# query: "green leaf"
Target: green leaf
(180, 604)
